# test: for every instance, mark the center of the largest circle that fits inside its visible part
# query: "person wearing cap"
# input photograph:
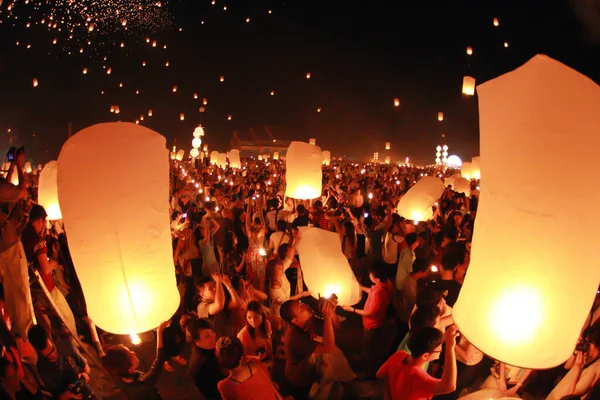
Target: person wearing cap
(34, 243)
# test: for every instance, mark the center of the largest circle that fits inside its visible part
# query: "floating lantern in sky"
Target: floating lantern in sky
(182, 117)
(319, 109)
(475, 168)
(505, 44)
(222, 79)
(109, 71)
(496, 22)
(202, 109)
(272, 93)
(195, 96)
(388, 145)
(465, 170)
(468, 86)
(35, 82)
(213, 156)
(143, 63)
(175, 89)
(396, 102)
(205, 148)
(48, 191)
(388, 159)
(440, 116)
(247, 19)
(234, 158)
(530, 299)
(308, 75)
(312, 141)
(317, 248)
(205, 101)
(417, 202)
(326, 157)
(27, 168)
(229, 118)
(276, 155)
(117, 110)
(167, 64)
(85, 71)
(304, 176)
(180, 155)
(122, 253)
(469, 50)
(149, 113)
(154, 43)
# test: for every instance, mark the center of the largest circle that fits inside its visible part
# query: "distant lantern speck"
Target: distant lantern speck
(272, 93)
(496, 22)
(195, 95)
(182, 116)
(174, 89)
(229, 118)
(505, 44)
(319, 109)
(205, 101)
(440, 116)
(85, 70)
(222, 79)
(149, 113)
(469, 50)
(35, 82)
(308, 75)
(396, 102)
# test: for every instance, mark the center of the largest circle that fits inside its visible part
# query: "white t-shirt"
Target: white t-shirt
(390, 249)
(276, 238)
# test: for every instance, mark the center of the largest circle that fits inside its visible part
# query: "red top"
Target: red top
(405, 381)
(257, 387)
(377, 303)
(320, 220)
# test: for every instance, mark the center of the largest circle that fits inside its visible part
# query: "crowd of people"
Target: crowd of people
(254, 330)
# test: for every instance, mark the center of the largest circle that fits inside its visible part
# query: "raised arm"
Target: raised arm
(219, 303)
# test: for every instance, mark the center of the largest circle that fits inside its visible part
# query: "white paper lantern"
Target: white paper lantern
(388, 145)
(459, 184)
(417, 202)
(234, 158)
(468, 85)
(27, 168)
(276, 155)
(440, 116)
(194, 152)
(304, 177)
(196, 143)
(475, 168)
(325, 268)
(222, 160)
(312, 141)
(48, 191)
(526, 306)
(116, 217)
(465, 170)
(326, 157)
(388, 159)
(214, 156)
(180, 155)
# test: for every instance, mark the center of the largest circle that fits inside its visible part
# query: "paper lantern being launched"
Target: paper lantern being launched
(388, 145)
(213, 157)
(530, 302)
(276, 155)
(180, 155)
(122, 250)
(465, 170)
(234, 158)
(312, 141)
(48, 191)
(475, 168)
(194, 152)
(459, 184)
(222, 160)
(27, 167)
(326, 157)
(304, 178)
(417, 202)
(468, 85)
(325, 268)
(388, 159)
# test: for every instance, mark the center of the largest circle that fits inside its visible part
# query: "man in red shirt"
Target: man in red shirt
(374, 317)
(404, 373)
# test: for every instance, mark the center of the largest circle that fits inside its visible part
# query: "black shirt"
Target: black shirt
(451, 287)
(206, 372)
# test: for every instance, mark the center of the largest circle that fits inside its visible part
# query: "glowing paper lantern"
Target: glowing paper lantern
(312, 141)
(469, 50)
(198, 132)
(440, 116)
(531, 298)
(388, 145)
(459, 184)
(122, 251)
(222, 160)
(276, 155)
(48, 191)
(326, 157)
(180, 154)
(196, 142)
(465, 170)
(325, 268)
(417, 202)
(27, 167)
(396, 102)
(182, 117)
(194, 153)
(387, 159)
(35, 82)
(304, 177)
(475, 168)
(234, 158)
(213, 157)
(496, 22)
(453, 161)
(468, 85)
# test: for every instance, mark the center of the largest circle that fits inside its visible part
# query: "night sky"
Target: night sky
(361, 56)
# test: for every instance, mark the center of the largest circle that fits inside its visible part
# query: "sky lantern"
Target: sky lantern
(319, 248)
(222, 160)
(388, 159)
(175, 89)
(417, 202)
(180, 155)
(154, 43)
(117, 110)
(85, 71)
(213, 156)
(109, 71)
(303, 175)
(468, 85)
(496, 22)
(440, 116)
(536, 296)
(475, 168)
(35, 82)
(469, 50)
(276, 155)
(319, 109)
(272, 93)
(326, 157)
(182, 117)
(149, 113)
(459, 184)
(195, 96)
(122, 251)
(205, 101)
(396, 102)
(465, 170)
(505, 44)
(229, 117)
(234, 158)
(48, 191)
(388, 145)
(222, 79)
(308, 75)
(27, 167)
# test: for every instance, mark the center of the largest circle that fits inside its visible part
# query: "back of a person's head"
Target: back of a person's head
(424, 340)
(301, 209)
(194, 325)
(411, 238)
(457, 249)
(450, 260)
(203, 280)
(378, 271)
(229, 351)
(286, 312)
(420, 265)
(424, 316)
(318, 205)
(37, 212)
(38, 337)
(117, 360)
(282, 250)
(451, 233)
(429, 297)
(281, 225)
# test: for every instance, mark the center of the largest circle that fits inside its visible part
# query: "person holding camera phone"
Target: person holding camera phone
(14, 213)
